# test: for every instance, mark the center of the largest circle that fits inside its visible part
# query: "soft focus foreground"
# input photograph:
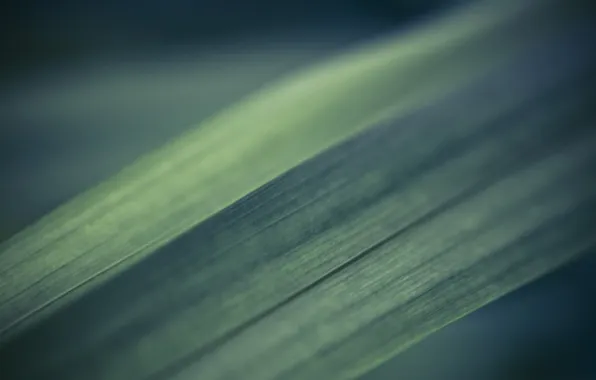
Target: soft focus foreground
(433, 165)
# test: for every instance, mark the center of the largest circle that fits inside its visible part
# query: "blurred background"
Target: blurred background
(87, 86)
(37, 32)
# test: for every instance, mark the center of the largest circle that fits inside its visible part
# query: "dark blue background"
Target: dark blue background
(546, 331)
